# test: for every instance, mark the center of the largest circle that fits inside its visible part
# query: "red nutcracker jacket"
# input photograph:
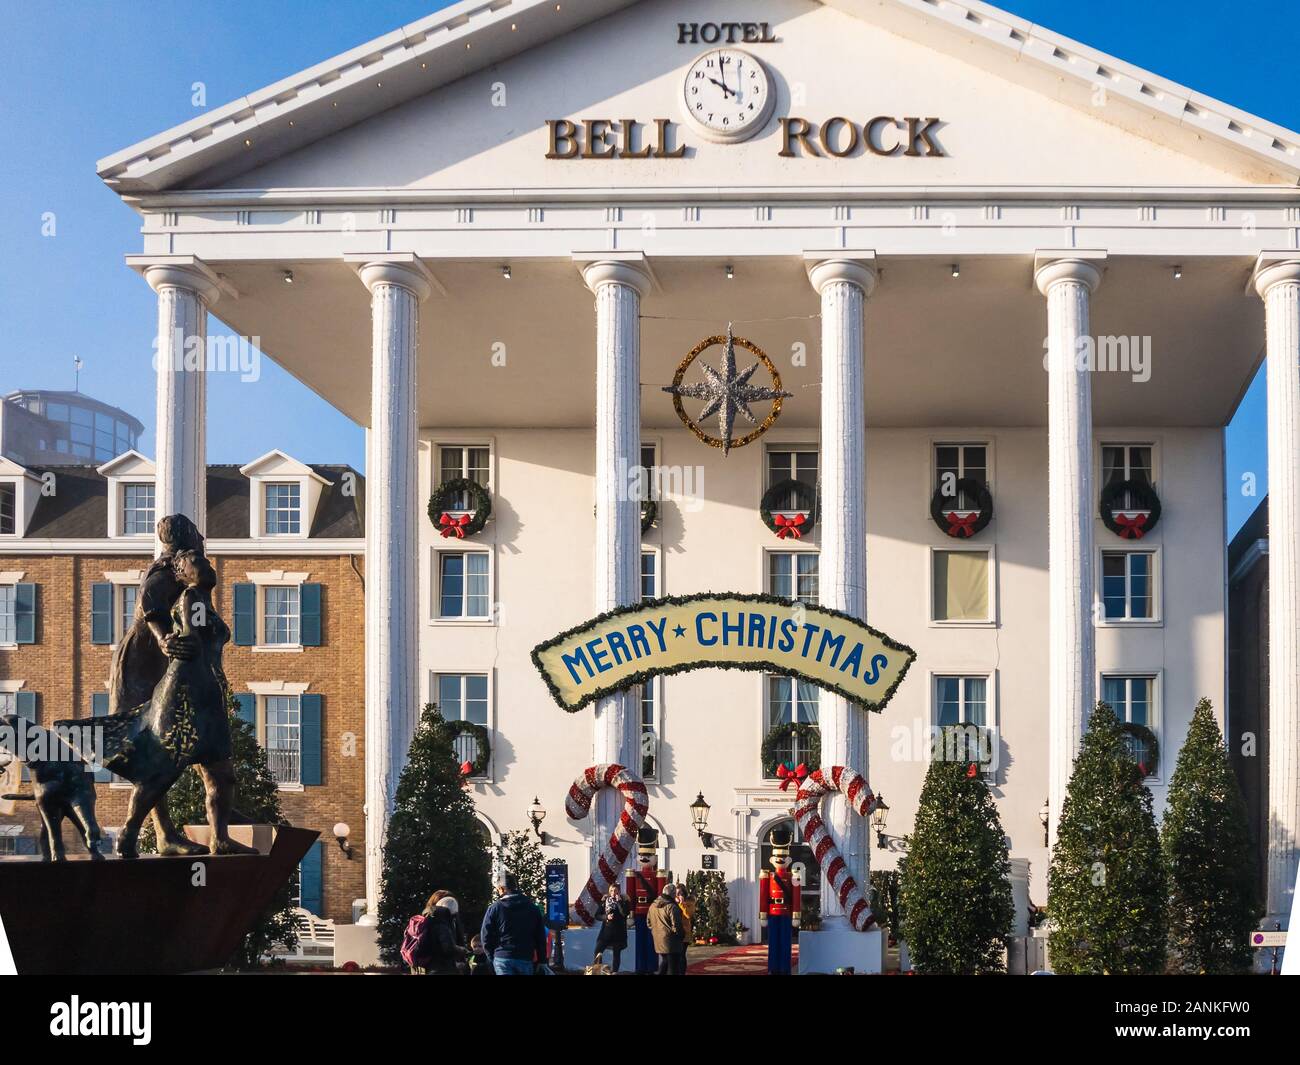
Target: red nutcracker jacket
(779, 894)
(643, 890)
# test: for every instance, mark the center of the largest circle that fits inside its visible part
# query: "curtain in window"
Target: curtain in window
(961, 586)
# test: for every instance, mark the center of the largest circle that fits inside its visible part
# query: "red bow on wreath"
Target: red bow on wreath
(788, 774)
(959, 526)
(1131, 528)
(788, 526)
(454, 526)
(466, 771)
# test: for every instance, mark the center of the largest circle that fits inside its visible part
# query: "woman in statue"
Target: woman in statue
(143, 653)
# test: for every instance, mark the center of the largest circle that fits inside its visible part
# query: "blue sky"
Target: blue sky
(81, 80)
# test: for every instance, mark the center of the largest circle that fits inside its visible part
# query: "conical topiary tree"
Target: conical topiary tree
(1106, 884)
(955, 891)
(434, 840)
(1210, 864)
(522, 858)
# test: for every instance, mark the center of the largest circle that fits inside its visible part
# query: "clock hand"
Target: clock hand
(721, 85)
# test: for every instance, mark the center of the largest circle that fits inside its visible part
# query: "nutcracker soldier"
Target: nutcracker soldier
(645, 884)
(779, 899)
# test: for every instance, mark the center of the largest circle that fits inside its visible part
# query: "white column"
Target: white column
(618, 286)
(186, 290)
(393, 698)
(844, 285)
(1277, 280)
(1068, 284)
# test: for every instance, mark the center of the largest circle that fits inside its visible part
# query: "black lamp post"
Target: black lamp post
(1045, 816)
(878, 818)
(700, 820)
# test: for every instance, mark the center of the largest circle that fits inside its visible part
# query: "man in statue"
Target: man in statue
(142, 655)
(778, 903)
(645, 884)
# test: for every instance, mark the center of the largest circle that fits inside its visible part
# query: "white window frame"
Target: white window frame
(1127, 442)
(764, 699)
(461, 547)
(465, 671)
(797, 442)
(654, 550)
(1157, 588)
(796, 547)
(656, 686)
(655, 444)
(275, 579)
(276, 467)
(993, 620)
(16, 484)
(467, 440)
(957, 440)
(1156, 725)
(992, 713)
(262, 689)
(277, 483)
(121, 580)
(9, 579)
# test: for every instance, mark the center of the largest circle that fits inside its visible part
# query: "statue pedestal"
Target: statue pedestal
(829, 949)
(148, 915)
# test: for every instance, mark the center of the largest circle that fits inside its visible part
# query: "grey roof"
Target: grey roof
(78, 509)
(1255, 528)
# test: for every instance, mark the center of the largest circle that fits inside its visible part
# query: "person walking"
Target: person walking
(513, 932)
(687, 905)
(432, 944)
(665, 921)
(613, 927)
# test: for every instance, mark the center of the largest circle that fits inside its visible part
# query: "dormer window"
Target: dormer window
(137, 509)
(8, 508)
(19, 491)
(283, 495)
(283, 509)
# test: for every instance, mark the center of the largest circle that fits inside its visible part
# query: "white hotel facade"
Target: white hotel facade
(504, 232)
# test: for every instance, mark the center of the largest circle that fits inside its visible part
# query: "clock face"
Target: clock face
(728, 94)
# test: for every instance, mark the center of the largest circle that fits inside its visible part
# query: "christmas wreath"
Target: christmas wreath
(649, 512)
(463, 525)
(778, 737)
(1143, 498)
(1143, 745)
(943, 509)
(801, 522)
(479, 765)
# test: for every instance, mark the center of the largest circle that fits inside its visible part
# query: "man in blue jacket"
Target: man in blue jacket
(513, 932)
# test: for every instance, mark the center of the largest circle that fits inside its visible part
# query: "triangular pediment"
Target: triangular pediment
(461, 101)
(128, 464)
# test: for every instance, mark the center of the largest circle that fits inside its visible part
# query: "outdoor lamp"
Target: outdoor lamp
(1045, 815)
(878, 818)
(536, 815)
(341, 833)
(700, 819)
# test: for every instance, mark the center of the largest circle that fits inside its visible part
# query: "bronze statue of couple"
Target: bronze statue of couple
(168, 697)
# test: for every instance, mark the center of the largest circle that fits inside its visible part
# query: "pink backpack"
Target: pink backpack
(414, 950)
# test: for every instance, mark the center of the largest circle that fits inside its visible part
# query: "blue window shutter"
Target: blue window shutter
(245, 614)
(247, 708)
(311, 872)
(310, 766)
(99, 708)
(101, 613)
(309, 615)
(25, 705)
(25, 613)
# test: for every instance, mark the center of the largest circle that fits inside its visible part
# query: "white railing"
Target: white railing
(285, 765)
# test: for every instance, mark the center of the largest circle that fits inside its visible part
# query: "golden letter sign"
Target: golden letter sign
(629, 646)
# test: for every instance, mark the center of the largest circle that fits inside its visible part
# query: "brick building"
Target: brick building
(287, 541)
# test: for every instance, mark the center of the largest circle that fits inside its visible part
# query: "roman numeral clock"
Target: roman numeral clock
(728, 95)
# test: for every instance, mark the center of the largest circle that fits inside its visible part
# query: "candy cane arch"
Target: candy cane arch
(620, 845)
(851, 784)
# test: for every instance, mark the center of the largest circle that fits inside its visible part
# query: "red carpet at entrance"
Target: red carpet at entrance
(749, 960)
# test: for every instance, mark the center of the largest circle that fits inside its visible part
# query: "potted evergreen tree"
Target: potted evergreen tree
(1106, 883)
(1213, 898)
(954, 887)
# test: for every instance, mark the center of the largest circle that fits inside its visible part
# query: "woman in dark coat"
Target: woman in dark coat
(613, 926)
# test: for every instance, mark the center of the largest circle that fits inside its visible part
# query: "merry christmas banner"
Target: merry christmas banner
(629, 646)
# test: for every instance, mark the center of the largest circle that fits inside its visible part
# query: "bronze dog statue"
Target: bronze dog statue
(61, 787)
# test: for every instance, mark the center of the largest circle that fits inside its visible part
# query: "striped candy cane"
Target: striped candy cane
(851, 784)
(610, 862)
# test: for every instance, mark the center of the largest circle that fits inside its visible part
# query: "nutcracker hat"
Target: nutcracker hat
(647, 842)
(781, 839)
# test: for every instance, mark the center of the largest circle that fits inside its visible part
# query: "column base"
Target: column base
(826, 951)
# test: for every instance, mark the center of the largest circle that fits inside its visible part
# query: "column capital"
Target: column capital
(393, 268)
(178, 271)
(1274, 268)
(856, 267)
(614, 268)
(1083, 267)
